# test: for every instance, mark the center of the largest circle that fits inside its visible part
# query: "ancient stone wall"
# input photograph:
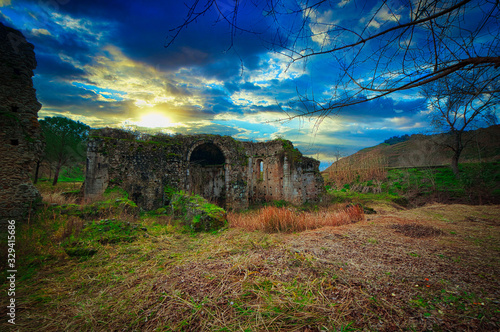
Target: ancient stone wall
(228, 172)
(20, 134)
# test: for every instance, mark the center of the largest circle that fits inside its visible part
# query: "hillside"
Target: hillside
(427, 150)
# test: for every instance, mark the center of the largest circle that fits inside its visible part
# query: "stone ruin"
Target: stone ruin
(230, 173)
(21, 142)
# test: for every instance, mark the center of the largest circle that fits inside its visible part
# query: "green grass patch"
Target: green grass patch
(196, 213)
(478, 182)
(106, 232)
(362, 198)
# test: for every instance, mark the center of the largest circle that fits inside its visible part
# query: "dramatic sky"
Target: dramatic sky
(104, 63)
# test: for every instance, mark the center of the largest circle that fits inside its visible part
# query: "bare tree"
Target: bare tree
(458, 102)
(393, 47)
(337, 153)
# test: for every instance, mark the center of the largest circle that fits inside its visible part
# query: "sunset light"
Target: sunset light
(229, 165)
(154, 120)
(157, 75)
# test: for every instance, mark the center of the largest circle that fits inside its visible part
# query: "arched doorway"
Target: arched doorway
(206, 172)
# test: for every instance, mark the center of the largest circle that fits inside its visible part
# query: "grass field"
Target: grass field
(432, 268)
(479, 183)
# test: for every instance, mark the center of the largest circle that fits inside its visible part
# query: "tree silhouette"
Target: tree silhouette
(392, 47)
(458, 102)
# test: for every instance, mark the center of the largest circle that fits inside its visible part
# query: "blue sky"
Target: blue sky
(104, 63)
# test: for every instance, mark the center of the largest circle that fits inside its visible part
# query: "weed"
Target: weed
(58, 198)
(108, 231)
(196, 213)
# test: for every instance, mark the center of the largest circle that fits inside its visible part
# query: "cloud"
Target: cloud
(343, 3)
(383, 15)
(104, 63)
(141, 31)
(321, 24)
(51, 65)
(36, 32)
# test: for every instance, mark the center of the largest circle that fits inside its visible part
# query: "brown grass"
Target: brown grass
(41, 236)
(358, 168)
(363, 276)
(59, 194)
(58, 198)
(432, 268)
(273, 219)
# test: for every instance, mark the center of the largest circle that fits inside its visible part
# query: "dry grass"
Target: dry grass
(62, 216)
(363, 276)
(58, 198)
(358, 168)
(60, 193)
(273, 219)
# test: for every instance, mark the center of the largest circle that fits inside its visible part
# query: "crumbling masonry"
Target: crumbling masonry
(20, 136)
(230, 173)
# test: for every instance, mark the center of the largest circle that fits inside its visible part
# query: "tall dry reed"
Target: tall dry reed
(273, 219)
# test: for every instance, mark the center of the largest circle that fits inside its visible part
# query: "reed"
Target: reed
(287, 220)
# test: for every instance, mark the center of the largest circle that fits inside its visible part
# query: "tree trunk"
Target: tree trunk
(35, 180)
(56, 174)
(454, 163)
(457, 151)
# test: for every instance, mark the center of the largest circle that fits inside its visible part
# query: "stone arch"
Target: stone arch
(206, 153)
(207, 171)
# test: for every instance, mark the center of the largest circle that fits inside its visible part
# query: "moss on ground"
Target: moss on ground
(196, 213)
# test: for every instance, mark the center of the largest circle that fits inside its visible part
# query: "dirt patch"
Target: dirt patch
(416, 230)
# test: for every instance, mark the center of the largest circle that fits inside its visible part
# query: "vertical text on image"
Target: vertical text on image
(11, 272)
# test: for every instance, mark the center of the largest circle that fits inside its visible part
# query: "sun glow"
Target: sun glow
(154, 120)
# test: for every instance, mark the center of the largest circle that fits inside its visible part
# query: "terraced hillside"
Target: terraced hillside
(428, 150)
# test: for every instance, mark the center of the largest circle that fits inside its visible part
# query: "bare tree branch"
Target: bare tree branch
(400, 45)
(457, 102)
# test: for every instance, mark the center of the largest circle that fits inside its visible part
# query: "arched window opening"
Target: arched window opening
(206, 175)
(207, 154)
(261, 169)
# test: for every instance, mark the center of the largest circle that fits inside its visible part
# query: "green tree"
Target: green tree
(65, 142)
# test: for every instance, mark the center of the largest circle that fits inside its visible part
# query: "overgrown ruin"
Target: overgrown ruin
(20, 135)
(228, 172)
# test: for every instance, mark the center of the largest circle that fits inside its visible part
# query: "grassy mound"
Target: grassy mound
(197, 213)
